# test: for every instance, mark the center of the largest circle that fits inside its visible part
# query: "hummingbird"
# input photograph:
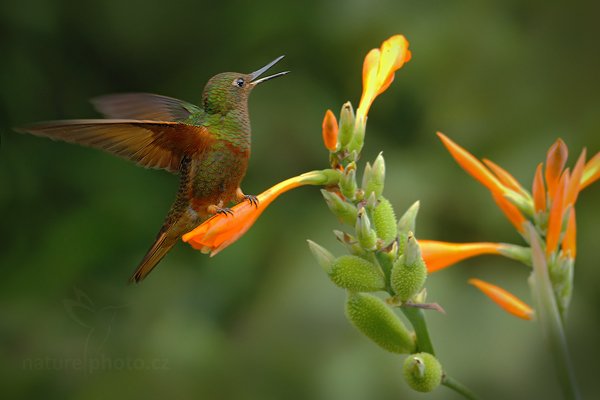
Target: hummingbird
(207, 145)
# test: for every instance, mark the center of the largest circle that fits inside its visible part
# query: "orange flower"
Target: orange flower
(378, 70)
(439, 255)
(591, 172)
(569, 247)
(556, 160)
(221, 230)
(504, 299)
(330, 131)
(539, 191)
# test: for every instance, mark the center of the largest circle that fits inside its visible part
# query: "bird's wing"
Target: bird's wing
(144, 106)
(151, 144)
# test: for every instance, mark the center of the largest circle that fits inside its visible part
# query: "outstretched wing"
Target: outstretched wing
(145, 106)
(151, 144)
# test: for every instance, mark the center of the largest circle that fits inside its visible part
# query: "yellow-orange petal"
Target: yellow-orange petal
(221, 230)
(591, 172)
(539, 191)
(506, 178)
(473, 166)
(379, 68)
(439, 255)
(575, 180)
(507, 301)
(511, 212)
(555, 219)
(330, 131)
(569, 245)
(556, 159)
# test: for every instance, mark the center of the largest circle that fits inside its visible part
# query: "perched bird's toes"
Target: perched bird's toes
(224, 211)
(252, 199)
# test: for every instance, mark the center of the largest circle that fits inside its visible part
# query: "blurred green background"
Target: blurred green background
(261, 320)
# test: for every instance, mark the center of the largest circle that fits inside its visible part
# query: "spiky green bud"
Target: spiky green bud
(365, 234)
(357, 274)
(423, 372)
(346, 212)
(377, 321)
(409, 272)
(346, 125)
(384, 221)
(348, 182)
(322, 255)
(406, 224)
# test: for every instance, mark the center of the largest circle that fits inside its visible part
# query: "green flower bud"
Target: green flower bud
(371, 201)
(366, 236)
(346, 125)
(377, 321)
(348, 182)
(384, 221)
(345, 211)
(561, 276)
(374, 180)
(350, 242)
(409, 272)
(322, 255)
(407, 223)
(357, 274)
(423, 372)
(366, 176)
(358, 137)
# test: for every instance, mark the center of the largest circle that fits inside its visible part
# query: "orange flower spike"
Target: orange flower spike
(509, 302)
(473, 166)
(591, 172)
(330, 131)
(379, 68)
(506, 178)
(556, 160)
(539, 192)
(569, 245)
(574, 182)
(556, 214)
(511, 212)
(439, 255)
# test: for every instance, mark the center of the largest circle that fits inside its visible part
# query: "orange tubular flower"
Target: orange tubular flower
(556, 160)
(221, 230)
(556, 214)
(330, 131)
(504, 299)
(539, 191)
(591, 172)
(439, 255)
(569, 246)
(379, 68)
(511, 212)
(506, 178)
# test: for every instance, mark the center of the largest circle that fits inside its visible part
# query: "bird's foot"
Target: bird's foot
(225, 211)
(252, 199)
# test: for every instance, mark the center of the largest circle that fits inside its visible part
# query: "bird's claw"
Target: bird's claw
(225, 211)
(252, 199)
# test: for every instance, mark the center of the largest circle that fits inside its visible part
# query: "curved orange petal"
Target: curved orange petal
(591, 172)
(221, 230)
(506, 178)
(569, 245)
(330, 131)
(509, 302)
(473, 166)
(575, 180)
(539, 191)
(555, 220)
(439, 255)
(510, 211)
(556, 159)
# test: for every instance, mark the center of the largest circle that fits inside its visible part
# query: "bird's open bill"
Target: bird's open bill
(264, 69)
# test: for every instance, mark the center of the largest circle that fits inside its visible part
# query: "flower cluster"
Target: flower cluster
(549, 207)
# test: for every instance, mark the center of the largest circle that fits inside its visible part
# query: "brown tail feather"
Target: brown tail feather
(159, 249)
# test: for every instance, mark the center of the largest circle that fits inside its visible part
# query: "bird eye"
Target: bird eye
(240, 82)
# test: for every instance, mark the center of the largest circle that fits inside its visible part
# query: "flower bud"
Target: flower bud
(350, 242)
(366, 236)
(561, 276)
(346, 124)
(346, 212)
(423, 372)
(384, 221)
(357, 274)
(322, 255)
(358, 136)
(330, 131)
(348, 181)
(377, 321)
(407, 223)
(409, 272)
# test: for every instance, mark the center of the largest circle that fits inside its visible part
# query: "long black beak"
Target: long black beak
(261, 71)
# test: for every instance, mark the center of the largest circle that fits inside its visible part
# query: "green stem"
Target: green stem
(458, 387)
(550, 319)
(416, 316)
